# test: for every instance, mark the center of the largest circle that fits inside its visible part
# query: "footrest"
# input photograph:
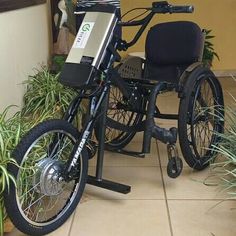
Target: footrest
(128, 153)
(164, 135)
(109, 185)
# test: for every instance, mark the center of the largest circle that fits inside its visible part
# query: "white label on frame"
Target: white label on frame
(83, 34)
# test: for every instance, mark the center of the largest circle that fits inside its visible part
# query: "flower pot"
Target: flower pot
(8, 226)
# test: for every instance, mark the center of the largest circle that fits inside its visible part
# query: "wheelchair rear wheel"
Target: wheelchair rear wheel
(200, 117)
(120, 111)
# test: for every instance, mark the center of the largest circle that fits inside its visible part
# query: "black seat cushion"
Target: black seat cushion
(170, 48)
(168, 73)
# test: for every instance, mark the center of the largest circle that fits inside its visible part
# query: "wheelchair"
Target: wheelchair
(173, 62)
(52, 158)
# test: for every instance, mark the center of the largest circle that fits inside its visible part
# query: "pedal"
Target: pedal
(164, 135)
(175, 164)
(129, 153)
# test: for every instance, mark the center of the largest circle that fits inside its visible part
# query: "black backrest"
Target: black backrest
(174, 43)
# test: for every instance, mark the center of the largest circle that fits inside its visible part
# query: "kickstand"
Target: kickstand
(98, 180)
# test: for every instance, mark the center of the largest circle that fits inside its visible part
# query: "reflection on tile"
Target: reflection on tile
(168, 103)
(203, 218)
(145, 182)
(121, 218)
(62, 231)
(192, 185)
(15, 232)
(115, 159)
(229, 89)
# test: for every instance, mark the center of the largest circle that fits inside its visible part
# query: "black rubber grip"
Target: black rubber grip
(181, 9)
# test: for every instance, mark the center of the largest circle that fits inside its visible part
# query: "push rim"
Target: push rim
(204, 124)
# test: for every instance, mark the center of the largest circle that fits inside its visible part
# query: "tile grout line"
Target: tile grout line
(72, 222)
(164, 189)
(159, 199)
(200, 199)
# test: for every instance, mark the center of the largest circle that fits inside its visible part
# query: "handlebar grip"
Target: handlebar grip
(181, 9)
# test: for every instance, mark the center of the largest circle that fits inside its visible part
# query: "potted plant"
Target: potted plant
(44, 93)
(12, 128)
(8, 137)
(223, 169)
(209, 52)
(45, 98)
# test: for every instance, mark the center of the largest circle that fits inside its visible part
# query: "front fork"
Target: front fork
(94, 111)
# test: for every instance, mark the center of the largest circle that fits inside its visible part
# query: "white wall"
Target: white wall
(24, 45)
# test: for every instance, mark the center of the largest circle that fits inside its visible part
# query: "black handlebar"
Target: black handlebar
(181, 9)
(137, 22)
(161, 7)
(164, 7)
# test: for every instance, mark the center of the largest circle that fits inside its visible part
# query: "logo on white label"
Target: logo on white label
(83, 34)
(80, 148)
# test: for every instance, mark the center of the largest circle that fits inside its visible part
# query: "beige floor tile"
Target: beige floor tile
(113, 159)
(121, 218)
(229, 88)
(203, 218)
(227, 83)
(62, 231)
(168, 103)
(15, 232)
(192, 185)
(145, 182)
(229, 98)
(143, 211)
(138, 137)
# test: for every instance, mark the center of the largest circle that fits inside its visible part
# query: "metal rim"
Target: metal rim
(37, 206)
(203, 125)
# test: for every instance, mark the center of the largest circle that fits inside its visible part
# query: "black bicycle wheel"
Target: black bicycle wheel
(120, 111)
(42, 200)
(200, 117)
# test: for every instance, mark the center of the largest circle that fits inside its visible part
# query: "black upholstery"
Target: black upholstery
(171, 48)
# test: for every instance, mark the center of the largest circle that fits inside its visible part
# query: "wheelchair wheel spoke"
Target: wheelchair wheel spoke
(120, 110)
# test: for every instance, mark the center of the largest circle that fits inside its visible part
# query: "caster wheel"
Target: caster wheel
(174, 167)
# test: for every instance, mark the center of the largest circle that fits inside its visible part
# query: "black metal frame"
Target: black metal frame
(99, 110)
(102, 99)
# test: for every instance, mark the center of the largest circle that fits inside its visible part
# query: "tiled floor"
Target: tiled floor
(157, 205)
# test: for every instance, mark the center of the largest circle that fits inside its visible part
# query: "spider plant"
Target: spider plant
(9, 136)
(44, 99)
(44, 93)
(209, 52)
(11, 131)
(58, 62)
(225, 166)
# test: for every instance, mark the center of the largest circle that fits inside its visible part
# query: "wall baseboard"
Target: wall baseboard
(225, 73)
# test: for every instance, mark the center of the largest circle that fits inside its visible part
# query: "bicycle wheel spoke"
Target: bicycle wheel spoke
(33, 203)
(40, 194)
